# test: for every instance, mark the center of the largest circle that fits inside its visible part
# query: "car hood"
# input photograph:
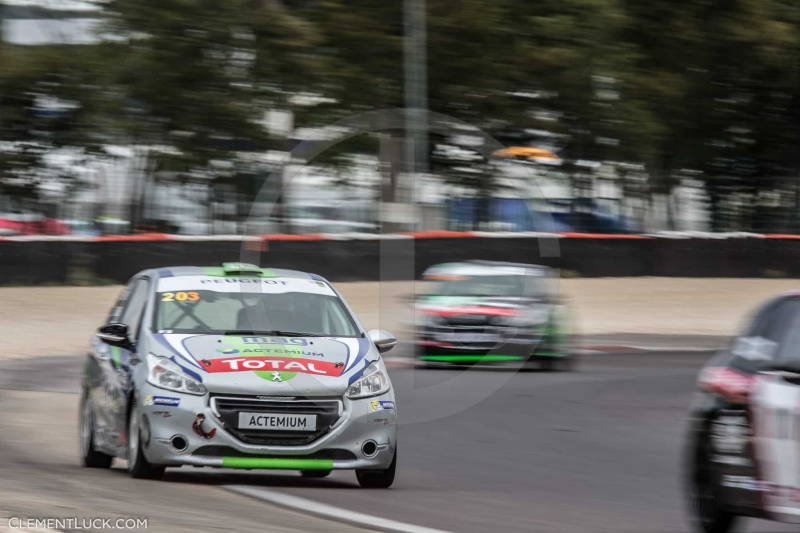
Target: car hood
(256, 365)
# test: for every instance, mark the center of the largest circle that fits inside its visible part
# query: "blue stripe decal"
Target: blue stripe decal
(363, 349)
(165, 273)
(190, 373)
(358, 374)
(163, 342)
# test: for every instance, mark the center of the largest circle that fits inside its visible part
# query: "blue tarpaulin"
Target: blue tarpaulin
(516, 215)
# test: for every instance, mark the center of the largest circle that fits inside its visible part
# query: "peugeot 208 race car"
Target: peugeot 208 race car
(238, 367)
(743, 453)
(487, 312)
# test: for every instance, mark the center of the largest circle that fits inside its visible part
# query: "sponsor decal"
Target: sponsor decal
(228, 351)
(277, 351)
(297, 341)
(275, 365)
(381, 421)
(180, 296)
(263, 350)
(273, 421)
(243, 280)
(745, 483)
(163, 414)
(162, 400)
(378, 405)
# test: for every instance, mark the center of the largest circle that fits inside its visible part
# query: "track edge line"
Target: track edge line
(330, 512)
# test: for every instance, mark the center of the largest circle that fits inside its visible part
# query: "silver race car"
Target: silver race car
(238, 367)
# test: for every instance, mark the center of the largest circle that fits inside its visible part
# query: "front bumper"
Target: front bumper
(338, 448)
(446, 353)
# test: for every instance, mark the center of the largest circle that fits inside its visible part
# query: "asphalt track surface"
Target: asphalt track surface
(596, 450)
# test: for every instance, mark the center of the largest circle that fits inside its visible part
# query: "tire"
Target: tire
(315, 474)
(378, 479)
(138, 465)
(91, 457)
(705, 501)
(419, 362)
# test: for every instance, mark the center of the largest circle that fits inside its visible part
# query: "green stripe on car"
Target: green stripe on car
(219, 272)
(277, 463)
(471, 358)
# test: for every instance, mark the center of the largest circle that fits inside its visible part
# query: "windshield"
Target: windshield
(213, 312)
(486, 286)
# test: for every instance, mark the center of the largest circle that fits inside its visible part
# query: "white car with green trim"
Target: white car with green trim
(487, 312)
(238, 367)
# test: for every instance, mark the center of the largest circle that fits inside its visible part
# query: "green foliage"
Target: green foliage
(703, 86)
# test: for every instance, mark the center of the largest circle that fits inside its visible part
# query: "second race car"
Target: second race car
(485, 312)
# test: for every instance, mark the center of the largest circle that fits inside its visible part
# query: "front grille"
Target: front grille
(227, 408)
(227, 451)
(473, 337)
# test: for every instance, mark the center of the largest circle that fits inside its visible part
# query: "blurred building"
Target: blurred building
(34, 22)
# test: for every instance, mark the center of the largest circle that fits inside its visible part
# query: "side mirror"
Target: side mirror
(114, 334)
(383, 340)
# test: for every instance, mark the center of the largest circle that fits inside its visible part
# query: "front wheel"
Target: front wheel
(705, 498)
(91, 457)
(378, 479)
(138, 466)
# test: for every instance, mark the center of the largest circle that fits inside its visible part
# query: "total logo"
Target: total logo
(275, 365)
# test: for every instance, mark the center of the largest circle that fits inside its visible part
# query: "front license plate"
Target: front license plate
(277, 421)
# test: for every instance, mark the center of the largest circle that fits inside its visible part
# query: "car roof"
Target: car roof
(477, 268)
(177, 271)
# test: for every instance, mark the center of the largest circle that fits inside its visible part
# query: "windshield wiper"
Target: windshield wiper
(274, 333)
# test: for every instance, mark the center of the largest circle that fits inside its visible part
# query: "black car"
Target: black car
(743, 454)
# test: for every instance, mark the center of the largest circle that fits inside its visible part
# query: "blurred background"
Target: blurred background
(619, 116)
(640, 147)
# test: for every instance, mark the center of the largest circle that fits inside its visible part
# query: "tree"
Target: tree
(199, 76)
(48, 100)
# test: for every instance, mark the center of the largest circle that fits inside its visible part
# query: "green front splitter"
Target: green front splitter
(277, 464)
(471, 358)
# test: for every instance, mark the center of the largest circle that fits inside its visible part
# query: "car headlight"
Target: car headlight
(167, 375)
(372, 383)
